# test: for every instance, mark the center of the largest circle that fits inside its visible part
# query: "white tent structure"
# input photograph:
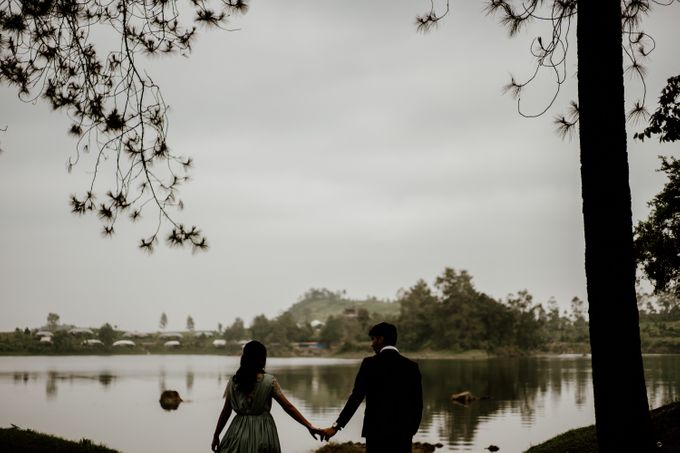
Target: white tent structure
(93, 342)
(172, 344)
(124, 343)
(219, 343)
(175, 335)
(135, 334)
(80, 331)
(44, 333)
(316, 324)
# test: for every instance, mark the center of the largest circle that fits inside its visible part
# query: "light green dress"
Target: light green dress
(252, 430)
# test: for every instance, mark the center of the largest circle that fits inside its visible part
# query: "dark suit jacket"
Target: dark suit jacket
(391, 384)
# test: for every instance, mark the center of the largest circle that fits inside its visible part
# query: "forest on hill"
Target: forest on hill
(450, 316)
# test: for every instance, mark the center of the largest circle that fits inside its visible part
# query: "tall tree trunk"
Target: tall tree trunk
(621, 408)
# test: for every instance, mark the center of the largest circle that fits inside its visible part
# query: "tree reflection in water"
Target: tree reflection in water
(662, 376)
(323, 388)
(105, 378)
(51, 385)
(190, 380)
(513, 385)
(520, 389)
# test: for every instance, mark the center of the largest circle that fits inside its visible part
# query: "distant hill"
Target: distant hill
(321, 303)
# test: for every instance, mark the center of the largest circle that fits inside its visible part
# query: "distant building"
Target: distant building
(43, 333)
(93, 342)
(135, 334)
(47, 339)
(171, 344)
(316, 324)
(351, 313)
(310, 346)
(219, 343)
(175, 335)
(80, 331)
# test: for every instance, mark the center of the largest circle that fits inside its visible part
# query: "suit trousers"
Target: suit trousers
(388, 445)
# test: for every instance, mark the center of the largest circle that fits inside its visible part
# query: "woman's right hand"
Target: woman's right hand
(314, 431)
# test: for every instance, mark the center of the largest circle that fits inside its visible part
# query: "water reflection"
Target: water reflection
(51, 385)
(161, 379)
(512, 385)
(523, 392)
(53, 379)
(105, 378)
(662, 374)
(24, 377)
(190, 380)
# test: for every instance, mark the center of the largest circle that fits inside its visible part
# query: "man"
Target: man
(391, 384)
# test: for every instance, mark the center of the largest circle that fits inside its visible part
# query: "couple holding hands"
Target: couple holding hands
(390, 382)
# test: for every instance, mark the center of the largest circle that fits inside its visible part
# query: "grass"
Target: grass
(17, 440)
(665, 431)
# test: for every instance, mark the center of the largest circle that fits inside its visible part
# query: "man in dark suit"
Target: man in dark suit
(391, 384)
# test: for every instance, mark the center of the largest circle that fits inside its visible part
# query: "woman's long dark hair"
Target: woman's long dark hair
(253, 360)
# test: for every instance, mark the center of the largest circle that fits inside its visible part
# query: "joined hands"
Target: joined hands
(327, 433)
(314, 431)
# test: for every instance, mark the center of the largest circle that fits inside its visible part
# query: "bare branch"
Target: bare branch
(117, 110)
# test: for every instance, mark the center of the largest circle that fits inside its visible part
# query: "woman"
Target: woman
(249, 393)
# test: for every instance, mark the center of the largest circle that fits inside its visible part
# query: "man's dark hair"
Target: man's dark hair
(386, 330)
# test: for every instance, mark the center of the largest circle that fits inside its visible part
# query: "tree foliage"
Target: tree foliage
(665, 121)
(454, 315)
(657, 239)
(48, 51)
(52, 321)
(107, 335)
(236, 331)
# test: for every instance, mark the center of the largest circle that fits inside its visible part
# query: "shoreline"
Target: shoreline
(664, 419)
(414, 355)
(429, 355)
(475, 354)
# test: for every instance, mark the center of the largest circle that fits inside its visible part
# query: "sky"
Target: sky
(335, 147)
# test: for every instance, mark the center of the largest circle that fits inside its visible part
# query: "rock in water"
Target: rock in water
(170, 400)
(463, 397)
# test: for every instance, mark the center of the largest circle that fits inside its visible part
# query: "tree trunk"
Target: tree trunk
(621, 408)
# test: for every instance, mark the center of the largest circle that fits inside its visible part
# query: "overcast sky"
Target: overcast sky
(335, 147)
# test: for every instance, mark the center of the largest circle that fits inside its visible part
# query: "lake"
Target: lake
(114, 399)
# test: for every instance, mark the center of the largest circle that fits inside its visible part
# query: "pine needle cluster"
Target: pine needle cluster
(47, 51)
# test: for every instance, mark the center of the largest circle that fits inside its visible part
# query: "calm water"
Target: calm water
(114, 399)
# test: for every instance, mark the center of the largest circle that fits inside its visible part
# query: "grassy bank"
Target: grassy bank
(665, 431)
(18, 440)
